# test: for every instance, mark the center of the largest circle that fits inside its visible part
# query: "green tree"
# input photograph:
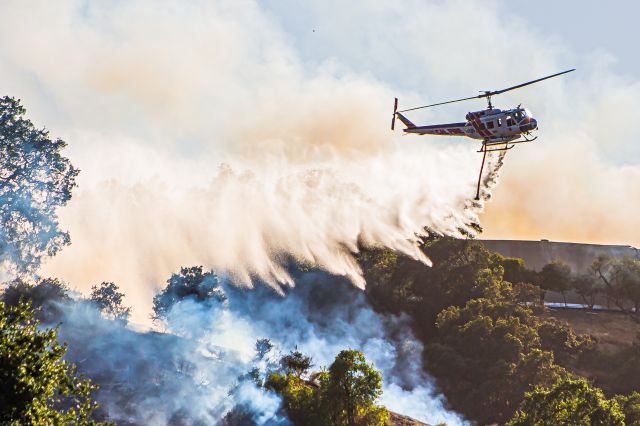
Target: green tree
(556, 276)
(516, 272)
(302, 400)
(296, 363)
(630, 406)
(474, 311)
(487, 354)
(37, 386)
(621, 279)
(399, 284)
(559, 338)
(109, 300)
(568, 402)
(352, 388)
(587, 287)
(343, 395)
(35, 179)
(190, 284)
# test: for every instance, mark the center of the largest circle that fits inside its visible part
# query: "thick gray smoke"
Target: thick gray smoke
(192, 372)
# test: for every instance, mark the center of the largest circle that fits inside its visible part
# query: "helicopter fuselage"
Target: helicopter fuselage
(492, 125)
(497, 129)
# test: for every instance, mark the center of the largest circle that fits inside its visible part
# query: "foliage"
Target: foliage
(568, 402)
(109, 300)
(345, 394)
(37, 386)
(263, 347)
(35, 179)
(352, 387)
(587, 286)
(621, 279)
(295, 363)
(559, 338)
(487, 354)
(630, 406)
(45, 297)
(474, 312)
(191, 283)
(400, 284)
(556, 276)
(516, 272)
(302, 400)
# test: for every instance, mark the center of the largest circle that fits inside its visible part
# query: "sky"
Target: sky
(232, 134)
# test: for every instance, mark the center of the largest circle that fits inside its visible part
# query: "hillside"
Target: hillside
(612, 330)
(578, 256)
(396, 419)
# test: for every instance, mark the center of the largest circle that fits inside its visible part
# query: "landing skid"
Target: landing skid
(488, 147)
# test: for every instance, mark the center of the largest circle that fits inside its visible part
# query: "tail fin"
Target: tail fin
(405, 120)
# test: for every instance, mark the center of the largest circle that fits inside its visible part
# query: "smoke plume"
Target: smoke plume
(203, 137)
(193, 375)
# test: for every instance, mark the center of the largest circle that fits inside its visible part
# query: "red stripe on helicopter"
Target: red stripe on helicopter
(478, 126)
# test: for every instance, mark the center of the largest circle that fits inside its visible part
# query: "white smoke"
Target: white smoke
(153, 97)
(187, 376)
(203, 138)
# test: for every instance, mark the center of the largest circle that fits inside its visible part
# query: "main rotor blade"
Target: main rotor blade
(488, 93)
(497, 92)
(442, 103)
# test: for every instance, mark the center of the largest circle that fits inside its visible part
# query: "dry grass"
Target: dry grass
(612, 330)
(396, 419)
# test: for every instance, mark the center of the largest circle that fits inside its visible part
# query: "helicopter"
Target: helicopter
(499, 130)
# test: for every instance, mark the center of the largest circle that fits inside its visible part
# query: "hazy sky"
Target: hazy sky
(589, 26)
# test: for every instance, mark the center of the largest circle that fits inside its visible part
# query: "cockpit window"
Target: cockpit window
(518, 115)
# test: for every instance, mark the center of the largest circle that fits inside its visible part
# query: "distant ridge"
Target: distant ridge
(578, 256)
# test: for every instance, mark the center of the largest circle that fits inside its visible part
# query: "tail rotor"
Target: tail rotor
(395, 109)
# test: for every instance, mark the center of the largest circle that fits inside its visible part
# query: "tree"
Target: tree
(487, 354)
(301, 400)
(345, 394)
(627, 271)
(559, 338)
(621, 279)
(190, 284)
(38, 386)
(556, 276)
(295, 363)
(263, 347)
(109, 300)
(35, 179)
(516, 272)
(587, 287)
(568, 402)
(630, 406)
(400, 284)
(473, 311)
(352, 388)
(45, 298)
